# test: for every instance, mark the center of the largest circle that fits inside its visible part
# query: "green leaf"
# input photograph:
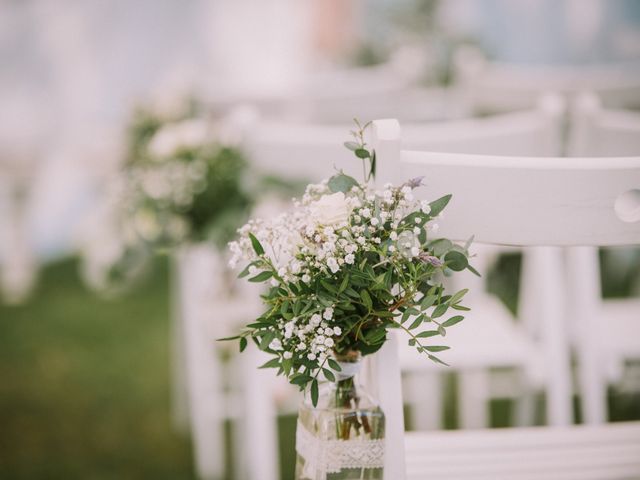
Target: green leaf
(343, 284)
(460, 307)
(266, 340)
(284, 308)
(314, 392)
(440, 246)
(353, 146)
(366, 299)
(226, 339)
(245, 271)
(453, 321)
(341, 183)
(333, 364)
(473, 270)
(300, 379)
(374, 164)
(437, 360)
(439, 310)
(427, 334)
(438, 205)
(257, 247)
(456, 261)
(243, 344)
(362, 153)
(436, 348)
(328, 286)
(262, 276)
(457, 296)
(329, 374)
(416, 323)
(427, 301)
(273, 363)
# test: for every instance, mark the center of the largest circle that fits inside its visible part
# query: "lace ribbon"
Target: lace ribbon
(331, 456)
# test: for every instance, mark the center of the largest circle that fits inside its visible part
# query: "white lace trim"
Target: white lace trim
(331, 456)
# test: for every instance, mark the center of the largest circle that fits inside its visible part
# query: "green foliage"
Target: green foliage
(388, 277)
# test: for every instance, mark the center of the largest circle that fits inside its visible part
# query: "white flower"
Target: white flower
(311, 356)
(315, 319)
(275, 344)
(425, 207)
(328, 342)
(418, 220)
(332, 263)
(287, 355)
(330, 209)
(328, 331)
(417, 230)
(328, 313)
(365, 212)
(375, 221)
(306, 278)
(337, 331)
(350, 258)
(393, 236)
(392, 248)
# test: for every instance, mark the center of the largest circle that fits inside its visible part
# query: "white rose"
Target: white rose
(330, 209)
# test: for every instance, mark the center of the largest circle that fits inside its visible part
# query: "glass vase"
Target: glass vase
(342, 438)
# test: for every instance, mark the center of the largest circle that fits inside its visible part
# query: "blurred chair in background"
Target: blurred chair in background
(493, 86)
(606, 331)
(497, 199)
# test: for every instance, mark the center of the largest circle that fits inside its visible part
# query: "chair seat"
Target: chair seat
(488, 337)
(609, 452)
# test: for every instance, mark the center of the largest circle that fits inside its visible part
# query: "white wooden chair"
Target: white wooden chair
(512, 201)
(537, 453)
(311, 151)
(203, 313)
(600, 132)
(495, 86)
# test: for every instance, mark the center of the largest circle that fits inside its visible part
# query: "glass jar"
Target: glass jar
(342, 438)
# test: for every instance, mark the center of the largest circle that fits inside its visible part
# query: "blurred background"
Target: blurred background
(88, 352)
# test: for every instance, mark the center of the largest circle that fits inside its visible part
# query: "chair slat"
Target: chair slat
(526, 201)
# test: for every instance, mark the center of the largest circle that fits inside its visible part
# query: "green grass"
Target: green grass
(84, 389)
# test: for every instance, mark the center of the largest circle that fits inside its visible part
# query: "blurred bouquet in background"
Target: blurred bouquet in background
(183, 180)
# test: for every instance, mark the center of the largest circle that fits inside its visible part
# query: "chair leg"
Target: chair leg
(474, 398)
(388, 384)
(178, 368)
(551, 312)
(203, 380)
(584, 281)
(258, 420)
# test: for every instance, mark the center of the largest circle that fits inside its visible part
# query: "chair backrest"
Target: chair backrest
(521, 200)
(539, 453)
(495, 86)
(596, 131)
(296, 150)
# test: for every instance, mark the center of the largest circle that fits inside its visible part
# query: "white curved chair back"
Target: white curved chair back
(600, 132)
(515, 201)
(519, 200)
(494, 86)
(314, 151)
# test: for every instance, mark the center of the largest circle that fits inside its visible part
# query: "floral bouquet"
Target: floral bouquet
(183, 180)
(343, 267)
